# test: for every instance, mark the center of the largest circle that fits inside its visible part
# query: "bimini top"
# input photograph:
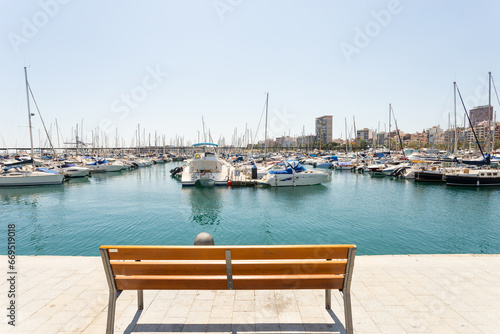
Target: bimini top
(291, 164)
(205, 144)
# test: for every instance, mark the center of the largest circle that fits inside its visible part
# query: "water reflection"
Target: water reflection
(77, 182)
(104, 177)
(294, 198)
(206, 204)
(28, 195)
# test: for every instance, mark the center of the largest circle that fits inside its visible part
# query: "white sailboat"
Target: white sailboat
(18, 175)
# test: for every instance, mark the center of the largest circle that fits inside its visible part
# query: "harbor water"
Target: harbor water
(149, 207)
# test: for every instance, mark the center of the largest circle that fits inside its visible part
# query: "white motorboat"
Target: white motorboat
(71, 170)
(294, 174)
(104, 166)
(205, 168)
(376, 169)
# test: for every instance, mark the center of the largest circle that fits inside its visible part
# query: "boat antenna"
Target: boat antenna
(470, 123)
(29, 118)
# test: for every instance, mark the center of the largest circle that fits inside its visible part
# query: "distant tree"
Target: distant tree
(362, 145)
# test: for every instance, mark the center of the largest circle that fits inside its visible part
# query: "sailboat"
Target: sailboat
(19, 175)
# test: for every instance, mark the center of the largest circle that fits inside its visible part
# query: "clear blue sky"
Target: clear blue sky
(165, 64)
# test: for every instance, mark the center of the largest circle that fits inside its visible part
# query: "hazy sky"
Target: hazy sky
(165, 64)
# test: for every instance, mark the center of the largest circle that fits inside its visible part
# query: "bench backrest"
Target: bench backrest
(228, 267)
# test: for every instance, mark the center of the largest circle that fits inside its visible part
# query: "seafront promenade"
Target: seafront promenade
(391, 294)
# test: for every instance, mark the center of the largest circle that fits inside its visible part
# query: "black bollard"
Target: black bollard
(254, 172)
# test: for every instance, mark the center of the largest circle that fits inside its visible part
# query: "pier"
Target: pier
(391, 294)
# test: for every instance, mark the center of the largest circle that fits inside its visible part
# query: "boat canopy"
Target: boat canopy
(6, 168)
(19, 163)
(205, 144)
(46, 170)
(293, 166)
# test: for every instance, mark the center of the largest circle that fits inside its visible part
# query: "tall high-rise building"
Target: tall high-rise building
(480, 114)
(324, 129)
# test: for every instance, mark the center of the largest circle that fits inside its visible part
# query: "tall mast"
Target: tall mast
(489, 114)
(29, 117)
(346, 140)
(390, 128)
(455, 150)
(265, 135)
(139, 139)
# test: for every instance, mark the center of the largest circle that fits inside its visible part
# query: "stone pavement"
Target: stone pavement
(391, 294)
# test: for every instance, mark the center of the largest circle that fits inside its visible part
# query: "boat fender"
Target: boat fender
(229, 183)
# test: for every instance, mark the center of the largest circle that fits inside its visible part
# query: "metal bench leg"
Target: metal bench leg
(140, 299)
(348, 312)
(111, 312)
(328, 299)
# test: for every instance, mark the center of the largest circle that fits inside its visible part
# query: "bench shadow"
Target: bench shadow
(133, 323)
(234, 328)
(261, 328)
(336, 320)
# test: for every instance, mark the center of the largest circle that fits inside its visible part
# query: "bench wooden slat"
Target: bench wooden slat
(263, 282)
(272, 282)
(237, 252)
(219, 268)
(171, 282)
(168, 268)
(290, 252)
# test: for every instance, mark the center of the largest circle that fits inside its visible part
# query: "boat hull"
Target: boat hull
(30, 180)
(298, 179)
(429, 176)
(472, 180)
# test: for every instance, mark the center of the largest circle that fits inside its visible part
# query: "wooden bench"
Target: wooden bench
(228, 268)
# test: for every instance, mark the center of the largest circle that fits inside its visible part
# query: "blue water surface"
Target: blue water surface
(148, 207)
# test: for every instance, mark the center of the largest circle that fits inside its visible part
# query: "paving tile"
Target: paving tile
(224, 300)
(77, 324)
(205, 295)
(178, 311)
(289, 317)
(243, 317)
(244, 306)
(202, 305)
(244, 295)
(197, 317)
(222, 311)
